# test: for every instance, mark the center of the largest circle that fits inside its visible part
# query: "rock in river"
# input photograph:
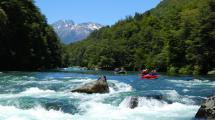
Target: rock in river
(148, 100)
(207, 109)
(99, 86)
(134, 102)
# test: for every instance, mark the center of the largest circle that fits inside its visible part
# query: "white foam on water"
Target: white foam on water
(31, 92)
(95, 110)
(172, 95)
(65, 68)
(171, 111)
(155, 109)
(209, 83)
(24, 82)
(86, 80)
(38, 82)
(92, 110)
(89, 97)
(77, 83)
(49, 81)
(48, 78)
(189, 84)
(6, 77)
(66, 77)
(37, 113)
(119, 87)
(32, 78)
(35, 90)
(23, 77)
(143, 102)
(148, 110)
(185, 90)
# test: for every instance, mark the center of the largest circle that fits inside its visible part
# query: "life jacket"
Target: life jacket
(144, 73)
(152, 73)
(155, 73)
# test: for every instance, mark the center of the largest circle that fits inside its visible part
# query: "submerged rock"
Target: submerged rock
(99, 86)
(159, 97)
(52, 106)
(134, 100)
(60, 106)
(207, 109)
(193, 79)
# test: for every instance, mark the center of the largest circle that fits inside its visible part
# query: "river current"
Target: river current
(46, 95)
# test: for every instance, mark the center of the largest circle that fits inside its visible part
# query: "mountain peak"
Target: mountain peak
(70, 32)
(63, 23)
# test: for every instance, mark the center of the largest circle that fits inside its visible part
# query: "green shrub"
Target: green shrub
(173, 69)
(181, 70)
(186, 70)
(85, 68)
(197, 69)
(211, 72)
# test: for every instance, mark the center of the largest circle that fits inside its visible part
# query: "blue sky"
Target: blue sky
(105, 12)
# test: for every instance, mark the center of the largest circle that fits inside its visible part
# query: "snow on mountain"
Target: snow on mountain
(70, 32)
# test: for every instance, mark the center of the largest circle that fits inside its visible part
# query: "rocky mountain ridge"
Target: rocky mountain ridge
(70, 32)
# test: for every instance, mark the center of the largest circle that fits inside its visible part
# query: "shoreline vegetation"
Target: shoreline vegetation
(176, 36)
(111, 68)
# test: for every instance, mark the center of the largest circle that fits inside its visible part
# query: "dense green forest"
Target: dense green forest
(27, 42)
(177, 35)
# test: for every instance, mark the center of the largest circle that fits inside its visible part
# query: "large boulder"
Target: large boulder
(207, 109)
(99, 86)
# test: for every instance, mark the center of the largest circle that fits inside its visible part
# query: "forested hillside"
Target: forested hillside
(27, 42)
(177, 35)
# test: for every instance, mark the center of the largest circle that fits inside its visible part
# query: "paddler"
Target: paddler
(144, 72)
(155, 72)
(116, 70)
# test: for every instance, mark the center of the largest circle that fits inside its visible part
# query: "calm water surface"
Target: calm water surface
(46, 96)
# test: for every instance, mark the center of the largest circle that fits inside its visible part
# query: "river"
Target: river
(46, 95)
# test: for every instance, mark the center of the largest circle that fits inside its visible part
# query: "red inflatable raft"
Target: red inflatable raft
(149, 77)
